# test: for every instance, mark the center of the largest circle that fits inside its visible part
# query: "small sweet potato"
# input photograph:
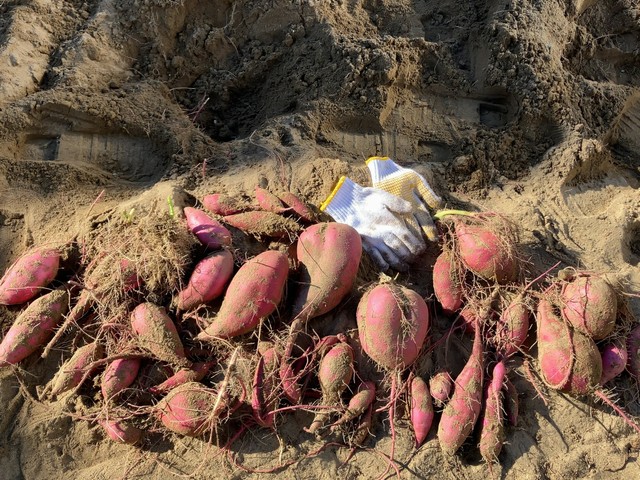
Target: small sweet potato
(121, 431)
(210, 232)
(614, 360)
(440, 387)
(190, 409)
(590, 305)
(194, 374)
(223, 205)
(492, 434)
(555, 351)
(157, 334)
(72, 373)
(28, 275)
(300, 208)
(207, 281)
(263, 224)
(447, 284)
(118, 375)
(33, 327)
(421, 409)
(268, 201)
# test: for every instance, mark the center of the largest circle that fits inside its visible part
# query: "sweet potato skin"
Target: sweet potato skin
(393, 322)
(492, 433)
(188, 409)
(28, 275)
(421, 409)
(33, 327)
(207, 281)
(590, 305)
(447, 286)
(254, 293)
(555, 354)
(463, 409)
(118, 375)
(209, 232)
(329, 255)
(157, 333)
(75, 370)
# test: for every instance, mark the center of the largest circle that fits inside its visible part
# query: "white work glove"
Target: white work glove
(385, 222)
(408, 185)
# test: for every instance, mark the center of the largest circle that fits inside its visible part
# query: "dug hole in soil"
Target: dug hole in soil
(113, 111)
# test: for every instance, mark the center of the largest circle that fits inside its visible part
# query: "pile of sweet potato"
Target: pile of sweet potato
(222, 333)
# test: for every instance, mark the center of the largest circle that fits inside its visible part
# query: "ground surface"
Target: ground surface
(528, 108)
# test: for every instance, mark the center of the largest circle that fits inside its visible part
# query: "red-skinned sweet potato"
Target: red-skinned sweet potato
(300, 208)
(329, 256)
(555, 353)
(513, 325)
(28, 275)
(254, 293)
(393, 322)
(223, 205)
(207, 281)
(268, 201)
(184, 375)
(210, 232)
(492, 434)
(633, 352)
(421, 409)
(33, 327)
(440, 387)
(447, 284)
(263, 224)
(463, 409)
(121, 431)
(75, 370)
(118, 375)
(614, 360)
(156, 333)
(590, 305)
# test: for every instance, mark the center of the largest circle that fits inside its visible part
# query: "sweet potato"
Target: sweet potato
(222, 204)
(334, 373)
(118, 375)
(33, 327)
(184, 375)
(590, 305)
(555, 352)
(298, 207)
(28, 275)
(254, 293)
(485, 253)
(511, 407)
(393, 322)
(614, 360)
(268, 201)
(210, 232)
(157, 334)
(447, 284)
(633, 352)
(329, 256)
(265, 396)
(463, 409)
(207, 281)
(513, 325)
(440, 387)
(492, 434)
(75, 370)
(190, 409)
(358, 404)
(121, 431)
(421, 409)
(586, 370)
(263, 224)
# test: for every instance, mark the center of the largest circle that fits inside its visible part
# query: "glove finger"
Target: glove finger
(394, 203)
(412, 237)
(426, 223)
(429, 196)
(374, 253)
(391, 251)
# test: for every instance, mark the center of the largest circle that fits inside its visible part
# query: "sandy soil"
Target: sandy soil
(527, 108)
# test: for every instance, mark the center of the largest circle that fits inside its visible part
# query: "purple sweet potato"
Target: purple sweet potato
(28, 275)
(254, 293)
(210, 232)
(207, 281)
(156, 333)
(33, 327)
(393, 322)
